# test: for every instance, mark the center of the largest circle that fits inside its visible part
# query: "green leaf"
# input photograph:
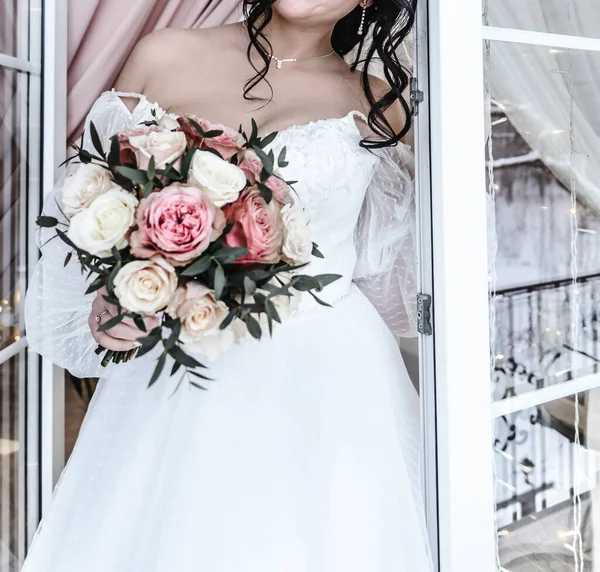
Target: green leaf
(85, 157)
(151, 168)
(220, 282)
(325, 279)
(186, 163)
(230, 254)
(272, 311)
(174, 336)
(158, 369)
(316, 252)
(96, 139)
(115, 151)
(249, 285)
(199, 375)
(228, 319)
(197, 126)
(267, 139)
(184, 359)
(305, 283)
(265, 159)
(47, 221)
(68, 258)
(197, 267)
(114, 321)
(254, 133)
(148, 344)
(134, 175)
(253, 327)
(281, 159)
(95, 285)
(319, 300)
(139, 322)
(211, 134)
(197, 385)
(175, 368)
(266, 192)
(148, 188)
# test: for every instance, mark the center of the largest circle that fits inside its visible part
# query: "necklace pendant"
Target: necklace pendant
(279, 64)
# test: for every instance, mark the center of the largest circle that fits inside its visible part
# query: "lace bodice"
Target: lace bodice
(360, 205)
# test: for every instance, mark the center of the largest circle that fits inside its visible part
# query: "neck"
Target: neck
(291, 40)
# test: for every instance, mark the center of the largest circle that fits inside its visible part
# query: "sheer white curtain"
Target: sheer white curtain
(551, 95)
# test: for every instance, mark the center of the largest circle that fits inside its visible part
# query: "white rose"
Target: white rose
(165, 146)
(82, 187)
(201, 315)
(104, 223)
(220, 181)
(146, 286)
(297, 242)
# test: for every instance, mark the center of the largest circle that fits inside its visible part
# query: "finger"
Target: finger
(122, 331)
(150, 322)
(107, 341)
(113, 344)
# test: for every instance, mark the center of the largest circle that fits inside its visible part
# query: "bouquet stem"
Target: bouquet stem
(113, 356)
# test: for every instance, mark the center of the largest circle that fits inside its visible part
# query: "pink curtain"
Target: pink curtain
(103, 32)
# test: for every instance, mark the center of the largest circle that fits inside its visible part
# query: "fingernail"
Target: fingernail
(137, 344)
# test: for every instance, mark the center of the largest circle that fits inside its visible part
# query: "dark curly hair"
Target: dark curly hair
(388, 22)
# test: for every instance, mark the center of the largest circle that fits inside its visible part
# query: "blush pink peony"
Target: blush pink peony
(257, 226)
(178, 223)
(228, 144)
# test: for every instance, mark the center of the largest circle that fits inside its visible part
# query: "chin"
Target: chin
(302, 10)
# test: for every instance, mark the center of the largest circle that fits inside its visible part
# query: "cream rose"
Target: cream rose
(220, 181)
(201, 315)
(297, 243)
(165, 146)
(82, 187)
(146, 286)
(105, 223)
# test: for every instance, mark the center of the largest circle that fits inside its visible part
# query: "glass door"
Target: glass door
(513, 143)
(542, 82)
(20, 111)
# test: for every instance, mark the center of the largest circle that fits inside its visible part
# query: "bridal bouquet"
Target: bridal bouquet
(194, 224)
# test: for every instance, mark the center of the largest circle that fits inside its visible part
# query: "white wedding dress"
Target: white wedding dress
(303, 454)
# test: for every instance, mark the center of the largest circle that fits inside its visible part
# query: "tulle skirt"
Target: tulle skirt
(301, 456)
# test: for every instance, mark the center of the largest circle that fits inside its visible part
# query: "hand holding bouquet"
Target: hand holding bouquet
(191, 224)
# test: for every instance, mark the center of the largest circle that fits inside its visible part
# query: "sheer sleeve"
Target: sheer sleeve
(56, 307)
(386, 269)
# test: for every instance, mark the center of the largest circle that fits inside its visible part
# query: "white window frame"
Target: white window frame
(53, 154)
(461, 484)
(458, 421)
(27, 60)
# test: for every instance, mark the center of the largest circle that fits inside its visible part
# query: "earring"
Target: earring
(361, 28)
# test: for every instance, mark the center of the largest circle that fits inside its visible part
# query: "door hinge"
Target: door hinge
(416, 95)
(424, 314)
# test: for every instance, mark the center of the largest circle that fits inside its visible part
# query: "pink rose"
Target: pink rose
(257, 226)
(178, 223)
(228, 144)
(252, 167)
(164, 145)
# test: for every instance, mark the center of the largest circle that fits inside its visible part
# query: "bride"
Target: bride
(302, 455)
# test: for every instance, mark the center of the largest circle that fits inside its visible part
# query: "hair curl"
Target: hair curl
(387, 22)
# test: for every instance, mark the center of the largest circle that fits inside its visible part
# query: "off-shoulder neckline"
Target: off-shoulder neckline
(348, 118)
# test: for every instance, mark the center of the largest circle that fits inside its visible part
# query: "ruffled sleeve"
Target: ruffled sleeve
(386, 269)
(56, 307)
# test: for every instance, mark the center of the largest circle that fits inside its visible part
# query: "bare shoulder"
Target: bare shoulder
(394, 114)
(164, 51)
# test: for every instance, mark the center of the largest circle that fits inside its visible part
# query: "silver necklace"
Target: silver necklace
(281, 61)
